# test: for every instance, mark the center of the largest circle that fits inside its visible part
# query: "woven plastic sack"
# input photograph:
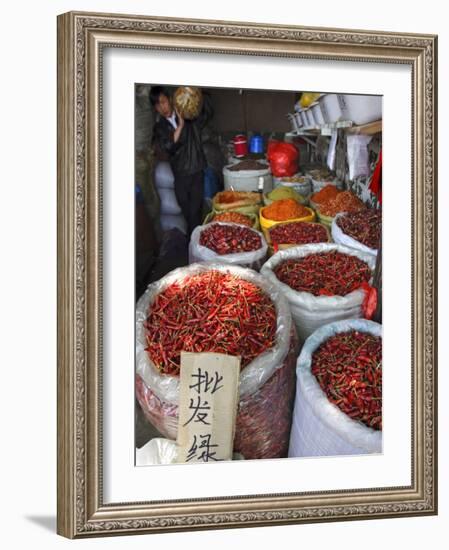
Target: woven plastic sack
(170, 221)
(163, 176)
(253, 217)
(157, 451)
(245, 202)
(319, 427)
(169, 203)
(311, 312)
(318, 184)
(303, 185)
(266, 386)
(341, 238)
(199, 253)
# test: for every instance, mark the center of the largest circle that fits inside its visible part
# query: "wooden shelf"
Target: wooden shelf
(366, 129)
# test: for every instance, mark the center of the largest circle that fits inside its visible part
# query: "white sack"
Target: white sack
(163, 176)
(319, 427)
(163, 451)
(341, 238)
(169, 221)
(157, 451)
(169, 203)
(254, 375)
(311, 312)
(199, 253)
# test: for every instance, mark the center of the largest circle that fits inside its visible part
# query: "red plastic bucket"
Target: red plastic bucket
(240, 146)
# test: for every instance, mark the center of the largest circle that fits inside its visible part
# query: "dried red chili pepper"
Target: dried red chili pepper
(348, 368)
(230, 239)
(324, 273)
(365, 227)
(210, 312)
(233, 217)
(345, 201)
(298, 233)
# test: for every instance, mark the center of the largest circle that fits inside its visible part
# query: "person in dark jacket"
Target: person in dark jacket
(180, 141)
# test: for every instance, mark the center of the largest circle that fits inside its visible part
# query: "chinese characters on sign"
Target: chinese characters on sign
(207, 407)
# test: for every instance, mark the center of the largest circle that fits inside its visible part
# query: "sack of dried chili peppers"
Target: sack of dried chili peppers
(227, 309)
(338, 405)
(359, 230)
(230, 243)
(323, 282)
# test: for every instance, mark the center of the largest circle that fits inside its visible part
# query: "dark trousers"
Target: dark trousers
(189, 194)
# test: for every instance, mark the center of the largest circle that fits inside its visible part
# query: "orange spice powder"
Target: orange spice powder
(285, 209)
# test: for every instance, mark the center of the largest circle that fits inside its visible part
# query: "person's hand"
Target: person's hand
(179, 128)
(180, 119)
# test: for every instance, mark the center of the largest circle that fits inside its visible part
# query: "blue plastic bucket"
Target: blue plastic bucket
(256, 144)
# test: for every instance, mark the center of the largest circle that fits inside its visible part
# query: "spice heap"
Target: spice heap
(247, 165)
(324, 274)
(321, 174)
(286, 209)
(253, 156)
(209, 312)
(327, 193)
(343, 202)
(233, 217)
(348, 367)
(295, 179)
(284, 193)
(365, 227)
(229, 239)
(240, 197)
(298, 233)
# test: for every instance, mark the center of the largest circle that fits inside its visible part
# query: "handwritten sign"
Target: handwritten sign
(208, 398)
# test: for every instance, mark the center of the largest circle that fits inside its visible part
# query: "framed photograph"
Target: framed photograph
(247, 271)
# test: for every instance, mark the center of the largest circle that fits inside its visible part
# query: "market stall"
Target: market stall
(279, 265)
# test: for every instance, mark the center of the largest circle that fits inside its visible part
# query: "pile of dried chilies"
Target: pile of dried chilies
(298, 233)
(328, 192)
(230, 239)
(234, 217)
(348, 367)
(343, 202)
(365, 227)
(285, 209)
(324, 273)
(209, 312)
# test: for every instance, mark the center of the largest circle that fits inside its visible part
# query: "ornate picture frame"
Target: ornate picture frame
(82, 38)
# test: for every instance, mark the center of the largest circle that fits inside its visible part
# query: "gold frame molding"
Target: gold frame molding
(81, 38)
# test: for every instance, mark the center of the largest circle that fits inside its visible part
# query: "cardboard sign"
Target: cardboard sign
(208, 398)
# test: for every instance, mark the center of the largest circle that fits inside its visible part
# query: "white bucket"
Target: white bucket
(330, 108)
(361, 109)
(247, 180)
(299, 120)
(317, 114)
(310, 118)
